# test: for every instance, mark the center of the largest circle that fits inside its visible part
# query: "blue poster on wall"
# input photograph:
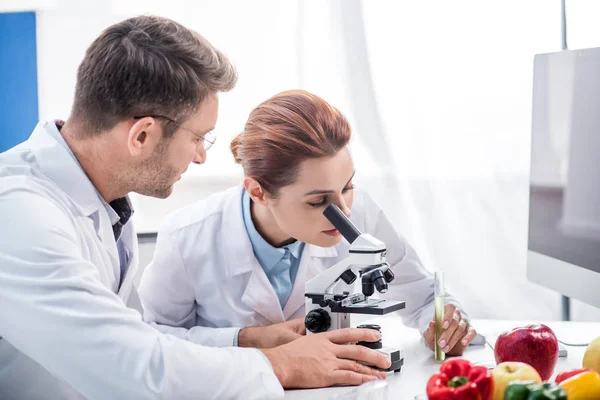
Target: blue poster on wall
(18, 78)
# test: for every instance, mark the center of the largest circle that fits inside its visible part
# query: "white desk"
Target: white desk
(419, 364)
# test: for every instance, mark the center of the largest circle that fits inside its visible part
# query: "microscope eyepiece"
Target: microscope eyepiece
(342, 223)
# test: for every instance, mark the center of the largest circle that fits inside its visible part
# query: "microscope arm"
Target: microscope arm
(364, 251)
(322, 282)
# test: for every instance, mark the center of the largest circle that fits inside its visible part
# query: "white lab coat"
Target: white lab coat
(204, 282)
(67, 333)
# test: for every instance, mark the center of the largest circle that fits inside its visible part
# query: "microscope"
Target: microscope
(328, 308)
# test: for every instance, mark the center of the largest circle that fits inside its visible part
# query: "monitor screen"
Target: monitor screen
(564, 196)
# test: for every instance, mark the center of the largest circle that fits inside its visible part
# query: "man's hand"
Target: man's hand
(457, 332)
(326, 359)
(266, 337)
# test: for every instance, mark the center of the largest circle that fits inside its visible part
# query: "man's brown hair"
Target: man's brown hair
(147, 65)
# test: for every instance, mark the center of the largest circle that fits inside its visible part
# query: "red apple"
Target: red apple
(535, 345)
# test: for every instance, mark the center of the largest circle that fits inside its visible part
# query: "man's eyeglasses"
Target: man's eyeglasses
(208, 140)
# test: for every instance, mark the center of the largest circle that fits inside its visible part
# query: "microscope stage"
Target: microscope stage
(371, 306)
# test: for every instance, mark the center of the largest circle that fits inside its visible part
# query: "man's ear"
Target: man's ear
(143, 136)
(256, 192)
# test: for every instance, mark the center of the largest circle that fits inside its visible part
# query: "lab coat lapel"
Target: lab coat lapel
(258, 295)
(58, 163)
(313, 261)
(107, 236)
(129, 239)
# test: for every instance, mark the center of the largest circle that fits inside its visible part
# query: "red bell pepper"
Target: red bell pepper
(458, 379)
(567, 374)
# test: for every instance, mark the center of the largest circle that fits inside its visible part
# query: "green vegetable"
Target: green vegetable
(529, 390)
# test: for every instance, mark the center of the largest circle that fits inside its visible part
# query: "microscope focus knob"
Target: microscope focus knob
(317, 320)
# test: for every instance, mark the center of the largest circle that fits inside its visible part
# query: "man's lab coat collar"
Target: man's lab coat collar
(57, 162)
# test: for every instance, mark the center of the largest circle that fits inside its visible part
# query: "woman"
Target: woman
(241, 257)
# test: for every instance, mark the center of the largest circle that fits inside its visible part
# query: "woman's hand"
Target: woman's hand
(456, 335)
(266, 337)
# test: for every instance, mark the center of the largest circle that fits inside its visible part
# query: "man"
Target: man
(145, 103)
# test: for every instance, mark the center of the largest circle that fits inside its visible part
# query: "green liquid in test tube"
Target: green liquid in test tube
(439, 315)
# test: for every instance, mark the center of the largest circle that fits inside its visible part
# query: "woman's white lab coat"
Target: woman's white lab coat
(204, 282)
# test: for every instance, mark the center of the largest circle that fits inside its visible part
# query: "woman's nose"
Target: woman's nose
(344, 207)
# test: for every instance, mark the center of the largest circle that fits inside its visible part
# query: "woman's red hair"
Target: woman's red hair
(285, 130)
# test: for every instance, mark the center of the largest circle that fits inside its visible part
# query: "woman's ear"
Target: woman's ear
(256, 192)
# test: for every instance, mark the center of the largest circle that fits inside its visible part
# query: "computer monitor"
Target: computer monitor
(564, 197)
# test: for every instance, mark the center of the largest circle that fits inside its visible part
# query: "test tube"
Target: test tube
(439, 315)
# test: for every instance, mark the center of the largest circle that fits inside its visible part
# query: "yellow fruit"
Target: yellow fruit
(512, 371)
(591, 358)
(585, 386)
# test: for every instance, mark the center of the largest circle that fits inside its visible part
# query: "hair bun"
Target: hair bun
(235, 148)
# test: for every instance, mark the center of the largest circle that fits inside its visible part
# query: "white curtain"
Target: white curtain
(438, 94)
